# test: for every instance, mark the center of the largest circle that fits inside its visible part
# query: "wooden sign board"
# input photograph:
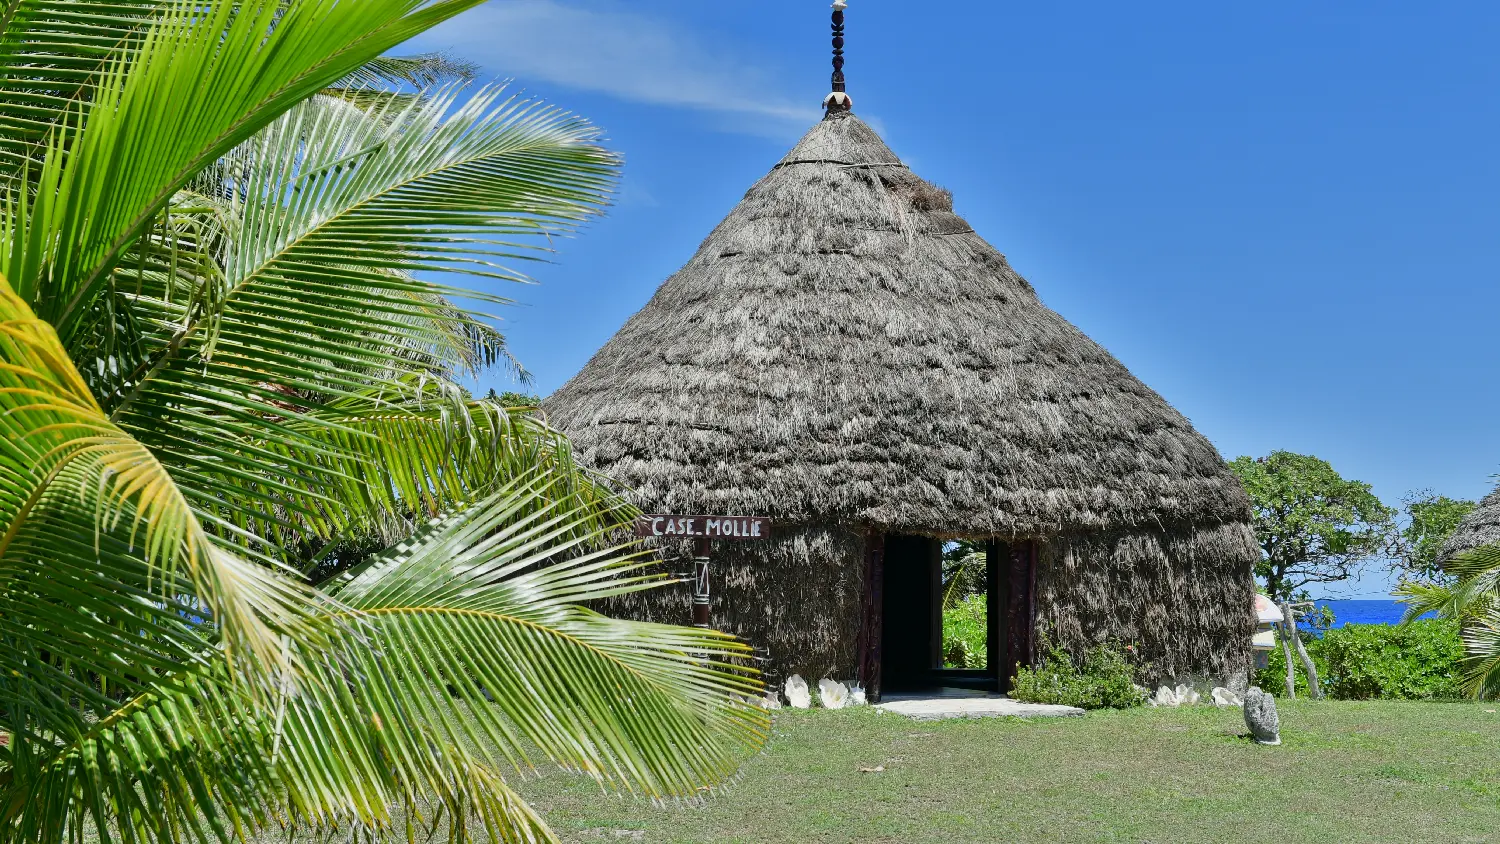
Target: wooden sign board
(704, 527)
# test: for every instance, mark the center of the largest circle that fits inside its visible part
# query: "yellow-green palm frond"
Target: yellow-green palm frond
(285, 380)
(60, 450)
(459, 655)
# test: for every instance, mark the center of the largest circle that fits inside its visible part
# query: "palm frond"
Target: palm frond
(271, 367)
(225, 214)
(500, 584)
(1481, 637)
(1473, 600)
(461, 652)
(1478, 576)
(52, 53)
(1424, 598)
(424, 70)
(59, 448)
(148, 129)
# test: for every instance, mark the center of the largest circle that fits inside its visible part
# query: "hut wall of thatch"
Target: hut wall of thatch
(796, 598)
(1177, 595)
(799, 597)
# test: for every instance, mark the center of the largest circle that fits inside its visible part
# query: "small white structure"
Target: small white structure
(1264, 640)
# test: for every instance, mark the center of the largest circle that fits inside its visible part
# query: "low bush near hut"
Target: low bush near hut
(1103, 678)
(1420, 661)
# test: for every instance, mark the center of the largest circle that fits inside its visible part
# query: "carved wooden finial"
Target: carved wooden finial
(838, 100)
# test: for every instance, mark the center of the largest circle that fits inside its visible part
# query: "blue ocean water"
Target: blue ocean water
(1365, 612)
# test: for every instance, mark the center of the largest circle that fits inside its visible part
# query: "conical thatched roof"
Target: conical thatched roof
(1479, 528)
(843, 346)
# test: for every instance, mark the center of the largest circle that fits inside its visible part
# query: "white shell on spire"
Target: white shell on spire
(840, 99)
(840, 5)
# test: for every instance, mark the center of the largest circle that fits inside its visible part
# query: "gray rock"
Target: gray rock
(1260, 717)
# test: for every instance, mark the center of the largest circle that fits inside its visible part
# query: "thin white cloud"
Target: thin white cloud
(608, 49)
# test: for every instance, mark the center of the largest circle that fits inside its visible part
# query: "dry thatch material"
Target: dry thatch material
(1178, 596)
(844, 350)
(797, 600)
(845, 347)
(1478, 529)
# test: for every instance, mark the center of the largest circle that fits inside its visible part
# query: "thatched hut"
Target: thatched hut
(1478, 529)
(846, 355)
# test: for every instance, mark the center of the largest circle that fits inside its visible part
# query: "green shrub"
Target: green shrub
(1420, 661)
(964, 631)
(1104, 678)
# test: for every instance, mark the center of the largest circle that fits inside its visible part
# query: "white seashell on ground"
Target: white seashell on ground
(797, 695)
(832, 694)
(1224, 697)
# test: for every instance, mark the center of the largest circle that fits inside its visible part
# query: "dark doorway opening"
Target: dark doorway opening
(904, 652)
(913, 614)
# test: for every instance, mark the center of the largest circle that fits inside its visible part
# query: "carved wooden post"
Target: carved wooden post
(839, 100)
(702, 599)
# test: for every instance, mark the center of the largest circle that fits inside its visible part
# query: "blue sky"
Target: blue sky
(1283, 216)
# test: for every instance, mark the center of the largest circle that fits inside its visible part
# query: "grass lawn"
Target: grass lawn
(1379, 771)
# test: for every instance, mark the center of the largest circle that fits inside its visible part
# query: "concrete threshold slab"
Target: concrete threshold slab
(939, 706)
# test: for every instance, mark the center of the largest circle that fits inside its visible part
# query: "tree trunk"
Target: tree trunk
(1312, 672)
(1291, 667)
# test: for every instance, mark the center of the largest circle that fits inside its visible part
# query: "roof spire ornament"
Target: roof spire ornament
(838, 101)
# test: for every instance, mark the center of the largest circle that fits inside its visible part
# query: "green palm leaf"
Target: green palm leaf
(317, 299)
(1472, 599)
(60, 449)
(226, 214)
(467, 654)
(148, 129)
(52, 53)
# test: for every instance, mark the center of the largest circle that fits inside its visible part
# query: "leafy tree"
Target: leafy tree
(217, 358)
(1313, 525)
(513, 399)
(1429, 520)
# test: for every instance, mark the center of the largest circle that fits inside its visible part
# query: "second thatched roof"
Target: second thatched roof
(1478, 529)
(844, 347)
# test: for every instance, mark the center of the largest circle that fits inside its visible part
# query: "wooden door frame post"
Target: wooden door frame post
(994, 656)
(872, 621)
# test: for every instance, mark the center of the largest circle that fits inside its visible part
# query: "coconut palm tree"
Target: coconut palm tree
(1472, 598)
(222, 353)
